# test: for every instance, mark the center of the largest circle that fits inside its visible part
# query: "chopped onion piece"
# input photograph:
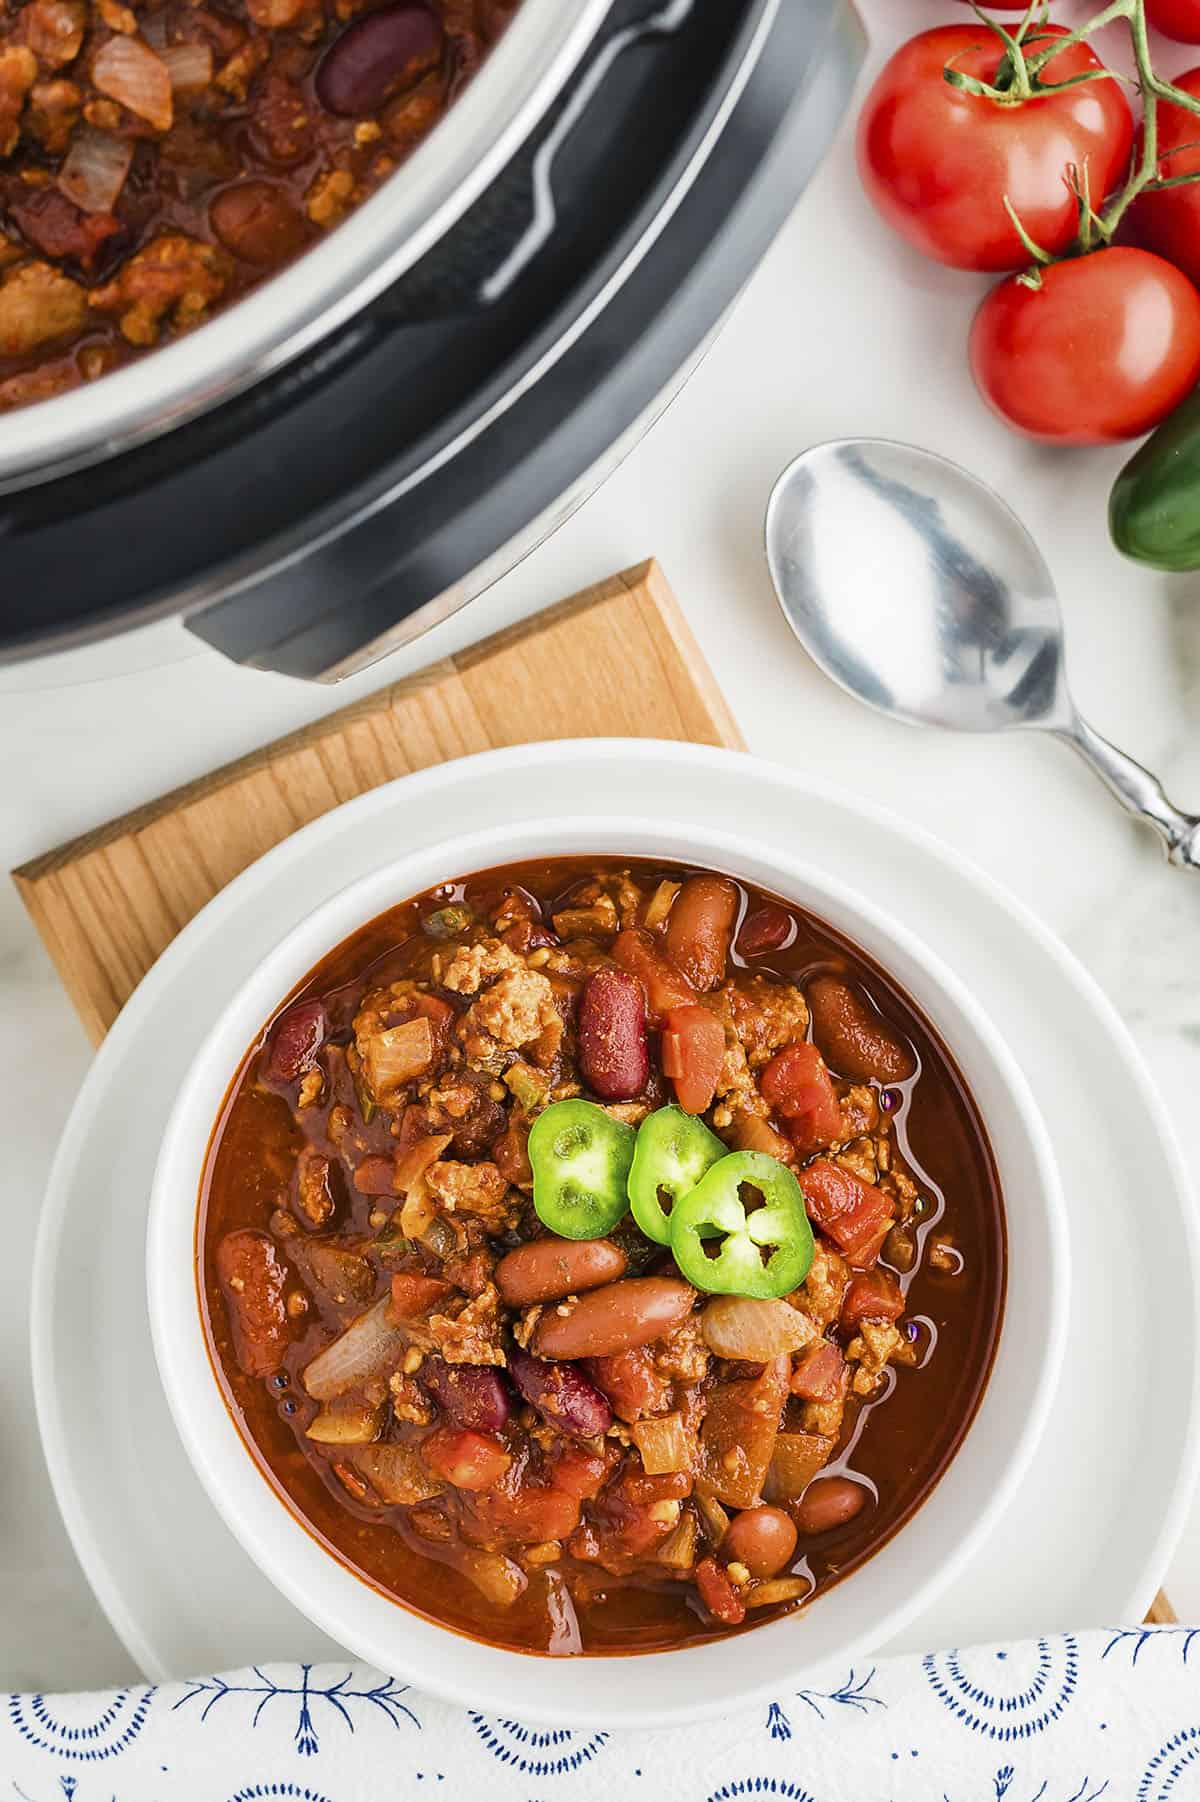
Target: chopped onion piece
(416, 1160)
(665, 1444)
(495, 1576)
(678, 1550)
(397, 1474)
(419, 1210)
(395, 1056)
(733, 1326)
(95, 169)
(368, 1345)
(190, 66)
(346, 1421)
(795, 1462)
(127, 70)
(713, 1516)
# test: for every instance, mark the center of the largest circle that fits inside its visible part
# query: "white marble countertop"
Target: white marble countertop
(841, 331)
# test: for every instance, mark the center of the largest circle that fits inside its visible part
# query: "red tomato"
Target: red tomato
(467, 1460)
(636, 951)
(1104, 349)
(693, 1051)
(797, 1086)
(938, 163)
(818, 1373)
(1168, 220)
(413, 1295)
(1178, 19)
(854, 1214)
(872, 1295)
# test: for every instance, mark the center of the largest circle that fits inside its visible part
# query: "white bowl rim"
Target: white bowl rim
(295, 954)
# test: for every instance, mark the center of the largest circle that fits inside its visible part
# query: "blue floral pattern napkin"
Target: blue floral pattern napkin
(1067, 1718)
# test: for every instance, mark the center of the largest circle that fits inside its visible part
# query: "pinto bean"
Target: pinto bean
(853, 1039)
(472, 1395)
(830, 1502)
(257, 222)
(561, 1395)
(613, 1051)
(763, 1539)
(376, 56)
(614, 1319)
(296, 1038)
(700, 928)
(549, 1269)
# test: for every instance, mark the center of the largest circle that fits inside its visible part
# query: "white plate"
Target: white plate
(1091, 1534)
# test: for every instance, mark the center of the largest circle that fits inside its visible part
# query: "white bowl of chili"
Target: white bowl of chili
(974, 1440)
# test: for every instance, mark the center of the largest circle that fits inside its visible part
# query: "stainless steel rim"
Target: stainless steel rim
(332, 281)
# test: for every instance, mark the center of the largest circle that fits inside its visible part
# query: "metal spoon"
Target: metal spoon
(920, 592)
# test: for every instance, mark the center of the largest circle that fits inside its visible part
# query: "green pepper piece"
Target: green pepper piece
(1154, 508)
(672, 1153)
(580, 1158)
(447, 922)
(715, 1211)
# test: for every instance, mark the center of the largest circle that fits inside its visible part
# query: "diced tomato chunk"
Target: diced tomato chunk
(797, 1086)
(718, 1594)
(529, 1514)
(872, 1295)
(578, 1472)
(631, 1381)
(375, 1176)
(854, 1214)
(466, 1459)
(818, 1373)
(413, 1294)
(693, 1052)
(636, 951)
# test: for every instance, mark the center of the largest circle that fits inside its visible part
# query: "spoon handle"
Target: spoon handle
(1139, 793)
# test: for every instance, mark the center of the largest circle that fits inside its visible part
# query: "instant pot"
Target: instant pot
(342, 459)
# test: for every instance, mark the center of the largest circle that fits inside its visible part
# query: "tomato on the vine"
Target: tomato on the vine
(938, 162)
(1167, 220)
(1107, 346)
(1178, 19)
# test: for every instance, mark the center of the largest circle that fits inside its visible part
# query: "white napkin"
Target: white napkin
(1067, 1718)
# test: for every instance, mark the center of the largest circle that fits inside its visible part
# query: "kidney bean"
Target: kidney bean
(472, 1395)
(376, 56)
(560, 1394)
(763, 1539)
(615, 1318)
(295, 1040)
(257, 222)
(700, 927)
(549, 1269)
(765, 928)
(253, 1281)
(852, 1038)
(613, 1052)
(830, 1502)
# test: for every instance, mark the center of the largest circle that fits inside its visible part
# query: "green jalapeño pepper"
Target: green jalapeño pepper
(672, 1153)
(721, 1246)
(1154, 508)
(580, 1158)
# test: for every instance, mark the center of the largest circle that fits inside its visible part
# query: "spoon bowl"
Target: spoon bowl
(915, 587)
(918, 590)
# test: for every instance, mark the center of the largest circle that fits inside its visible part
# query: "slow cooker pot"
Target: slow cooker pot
(347, 455)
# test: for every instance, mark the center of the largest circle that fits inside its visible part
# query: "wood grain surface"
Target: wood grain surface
(616, 661)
